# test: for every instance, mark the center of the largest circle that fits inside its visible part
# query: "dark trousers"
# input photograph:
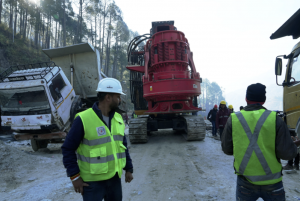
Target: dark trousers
(296, 161)
(109, 190)
(249, 192)
(221, 129)
(214, 129)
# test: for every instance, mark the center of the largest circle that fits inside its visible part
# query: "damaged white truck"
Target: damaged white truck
(39, 101)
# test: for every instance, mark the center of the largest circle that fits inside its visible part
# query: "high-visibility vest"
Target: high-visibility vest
(253, 136)
(135, 116)
(101, 153)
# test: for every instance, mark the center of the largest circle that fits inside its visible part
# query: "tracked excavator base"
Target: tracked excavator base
(192, 127)
(195, 128)
(138, 130)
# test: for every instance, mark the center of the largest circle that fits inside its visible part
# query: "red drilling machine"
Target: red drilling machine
(164, 84)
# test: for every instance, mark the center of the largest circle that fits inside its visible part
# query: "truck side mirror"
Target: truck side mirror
(278, 66)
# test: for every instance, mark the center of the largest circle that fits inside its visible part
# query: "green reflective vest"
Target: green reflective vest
(101, 153)
(253, 136)
(134, 116)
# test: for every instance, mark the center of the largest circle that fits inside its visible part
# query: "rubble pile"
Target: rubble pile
(14, 164)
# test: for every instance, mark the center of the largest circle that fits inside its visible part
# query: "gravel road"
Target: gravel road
(165, 168)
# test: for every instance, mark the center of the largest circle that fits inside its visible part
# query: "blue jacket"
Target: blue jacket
(74, 138)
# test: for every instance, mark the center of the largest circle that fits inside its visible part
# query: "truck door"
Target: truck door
(62, 95)
(291, 92)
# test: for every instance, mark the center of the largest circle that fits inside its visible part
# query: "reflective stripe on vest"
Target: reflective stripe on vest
(100, 159)
(121, 155)
(101, 140)
(118, 138)
(96, 141)
(96, 159)
(254, 147)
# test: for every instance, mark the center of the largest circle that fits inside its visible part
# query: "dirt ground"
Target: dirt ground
(165, 168)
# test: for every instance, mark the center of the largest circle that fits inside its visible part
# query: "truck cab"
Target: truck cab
(39, 101)
(35, 100)
(291, 83)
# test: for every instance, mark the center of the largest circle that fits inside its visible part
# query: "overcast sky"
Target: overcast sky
(230, 39)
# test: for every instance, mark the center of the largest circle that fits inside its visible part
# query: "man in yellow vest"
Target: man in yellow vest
(97, 137)
(230, 107)
(258, 139)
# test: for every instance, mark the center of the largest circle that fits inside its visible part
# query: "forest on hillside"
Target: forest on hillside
(28, 26)
(211, 94)
(54, 23)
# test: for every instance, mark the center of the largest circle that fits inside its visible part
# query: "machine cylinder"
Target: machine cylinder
(169, 86)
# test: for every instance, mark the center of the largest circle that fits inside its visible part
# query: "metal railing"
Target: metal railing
(47, 65)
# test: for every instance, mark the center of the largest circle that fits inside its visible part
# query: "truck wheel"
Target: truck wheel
(34, 145)
(38, 144)
(43, 143)
(76, 104)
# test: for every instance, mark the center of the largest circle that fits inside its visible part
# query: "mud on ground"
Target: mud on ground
(165, 168)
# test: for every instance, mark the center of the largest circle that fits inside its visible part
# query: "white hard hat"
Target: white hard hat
(110, 85)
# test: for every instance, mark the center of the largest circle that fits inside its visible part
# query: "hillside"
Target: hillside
(21, 51)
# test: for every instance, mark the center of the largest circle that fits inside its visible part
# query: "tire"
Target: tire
(39, 144)
(43, 143)
(74, 108)
(34, 145)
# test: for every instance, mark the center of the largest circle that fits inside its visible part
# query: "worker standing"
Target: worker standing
(97, 135)
(134, 115)
(289, 165)
(212, 118)
(222, 116)
(126, 118)
(258, 139)
(230, 107)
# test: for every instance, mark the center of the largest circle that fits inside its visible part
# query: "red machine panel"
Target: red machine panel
(170, 82)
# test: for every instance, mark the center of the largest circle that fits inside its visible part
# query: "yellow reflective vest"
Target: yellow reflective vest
(101, 154)
(253, 136)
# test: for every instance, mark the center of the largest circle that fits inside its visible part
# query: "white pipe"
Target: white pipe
(72, 76)
(71, 68)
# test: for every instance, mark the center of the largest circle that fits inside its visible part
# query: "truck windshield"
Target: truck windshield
(295, 69)
(24, 101)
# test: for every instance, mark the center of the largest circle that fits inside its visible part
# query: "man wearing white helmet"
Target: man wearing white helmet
(97, 136)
